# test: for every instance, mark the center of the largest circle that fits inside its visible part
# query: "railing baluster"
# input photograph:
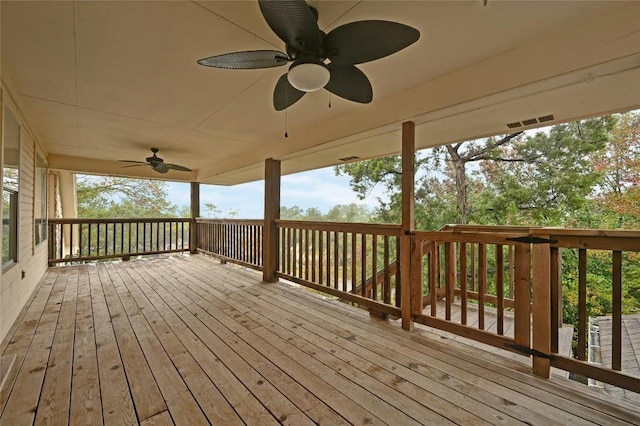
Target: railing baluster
(374, 267)
(500, 287)
(306, 254)
(328, 254)
(345, 262)
(582, 304)
(463, 283)
(363, 288)
(71, 240)
(354, 265)
(386, 281)
(398, 279)
(472, 261)
(80, 242)
(616, 281)
(450, 277)
(294, 252)
(482, 282)
(433, 278)
(336, 247)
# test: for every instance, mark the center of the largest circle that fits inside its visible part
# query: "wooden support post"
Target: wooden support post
(271, 214)
(522, 294)
(409, 292)
(195, 213)
(541, 308)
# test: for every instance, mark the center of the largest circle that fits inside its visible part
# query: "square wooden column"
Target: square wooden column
(542, 308)
(271, 214)
(408, 222)
(195, 213)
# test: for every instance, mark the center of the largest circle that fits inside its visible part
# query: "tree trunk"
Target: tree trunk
(461, 184)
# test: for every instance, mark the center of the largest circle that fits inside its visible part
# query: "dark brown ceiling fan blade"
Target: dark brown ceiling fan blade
(349, 83)
(293, 21)
(177, 167)
(285, 94)
(156, 163)
(296, 23)
(364, 41)
(253, 59)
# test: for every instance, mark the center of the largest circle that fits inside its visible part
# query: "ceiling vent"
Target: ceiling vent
(353, 157)
(531, 121)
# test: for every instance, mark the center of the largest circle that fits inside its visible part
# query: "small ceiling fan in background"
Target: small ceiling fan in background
(156, 163)
(308, 47)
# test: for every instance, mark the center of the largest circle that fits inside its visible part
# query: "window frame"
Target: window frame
(40, 188)
(11, 188)
(14, 209)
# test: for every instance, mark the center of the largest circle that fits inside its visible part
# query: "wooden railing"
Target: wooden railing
(588, 254)
(498, 285)
(475, 284)
(80, 240)
(236, 241)
(341, 259)
(501, 285)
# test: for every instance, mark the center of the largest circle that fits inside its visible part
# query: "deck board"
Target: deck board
(185, 340)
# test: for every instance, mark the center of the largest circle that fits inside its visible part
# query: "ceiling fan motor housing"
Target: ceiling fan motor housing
(308, 75)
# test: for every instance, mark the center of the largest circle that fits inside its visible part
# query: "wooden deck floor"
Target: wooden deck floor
(185, 340)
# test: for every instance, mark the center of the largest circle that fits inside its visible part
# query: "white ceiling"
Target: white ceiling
(100, 81)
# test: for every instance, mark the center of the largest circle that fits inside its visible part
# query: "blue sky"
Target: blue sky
(317, 188)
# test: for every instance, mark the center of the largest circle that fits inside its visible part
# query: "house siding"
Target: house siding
(18, 282)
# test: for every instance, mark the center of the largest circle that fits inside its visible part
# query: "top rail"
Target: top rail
(249, 222)
(64, 221)
(373, 228)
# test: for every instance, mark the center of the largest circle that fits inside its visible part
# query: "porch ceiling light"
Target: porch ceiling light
(308, 76)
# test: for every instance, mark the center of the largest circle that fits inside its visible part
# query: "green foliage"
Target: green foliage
(115, 197)
(550, 178)
(618, 195)
(339, 213)
(583, 174)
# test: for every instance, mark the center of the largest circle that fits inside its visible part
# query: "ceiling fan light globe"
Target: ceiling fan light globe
(308, 76)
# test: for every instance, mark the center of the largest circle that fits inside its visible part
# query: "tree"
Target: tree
(340, 213)
(619, 193)
(116, 197)
(348, 213)
(462, 153)
(525, 180)
(551, 180)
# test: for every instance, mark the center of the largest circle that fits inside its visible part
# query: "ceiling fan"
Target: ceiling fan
(308, 47)
(156, 163)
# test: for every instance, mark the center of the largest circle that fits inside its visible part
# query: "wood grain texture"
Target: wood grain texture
(186, 340)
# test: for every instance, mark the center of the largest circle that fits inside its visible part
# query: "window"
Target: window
(10, 189)
(40, 201)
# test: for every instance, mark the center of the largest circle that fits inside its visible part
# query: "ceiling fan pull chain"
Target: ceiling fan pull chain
(329, 99)
(286, 122)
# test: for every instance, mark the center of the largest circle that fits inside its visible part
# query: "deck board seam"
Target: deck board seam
(285, 373)
(192, 306)
(275, 306)
(359, 320)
